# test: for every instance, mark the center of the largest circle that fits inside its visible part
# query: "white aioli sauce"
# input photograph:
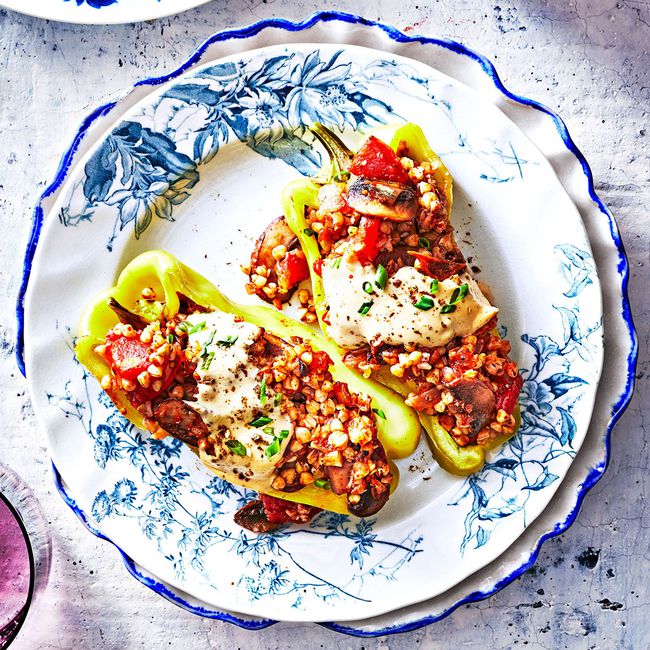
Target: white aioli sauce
(229, 400)
(393, 318)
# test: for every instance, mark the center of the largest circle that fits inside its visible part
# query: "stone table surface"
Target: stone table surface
(587, 59)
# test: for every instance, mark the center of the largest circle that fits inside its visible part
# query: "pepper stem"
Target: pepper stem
(340, 155)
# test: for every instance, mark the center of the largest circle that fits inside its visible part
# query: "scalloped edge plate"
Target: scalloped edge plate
(549, 133)
(100, 12)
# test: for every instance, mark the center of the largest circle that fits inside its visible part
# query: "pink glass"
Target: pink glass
(16, 573)
(24, 553)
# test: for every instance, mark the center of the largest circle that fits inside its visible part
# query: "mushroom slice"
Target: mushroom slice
(286, 273)
(384, 199)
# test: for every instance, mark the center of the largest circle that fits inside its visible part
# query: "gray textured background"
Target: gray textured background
(588, 60)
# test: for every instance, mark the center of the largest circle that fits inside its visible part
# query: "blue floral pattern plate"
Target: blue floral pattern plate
(196, 166)
(100, 12)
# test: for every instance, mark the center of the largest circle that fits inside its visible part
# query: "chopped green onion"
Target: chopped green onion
(380, 413)
(341, 177)
(273, 448)
(228, 341)
(207, 361)
(309, 232)
(367, 287)
(425, 243)
(261, 421)
(435, 286)
(447, 309)
(322, 483)
(236, 447)
(182, 326)
(268, 430)
(170, 338)
(196, 328)
(365, 308)
(381, 277)
(283, 434)
(459, 294)
(204, 352)
(277, 399)
(263, 391)
(424, 303)
(336, 263)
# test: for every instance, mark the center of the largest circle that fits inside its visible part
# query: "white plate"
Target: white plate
(100, 12)
(525, 233)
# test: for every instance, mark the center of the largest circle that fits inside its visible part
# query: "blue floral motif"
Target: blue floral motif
(149, 164)
(185, 534)
(525, 464)
(95, 4)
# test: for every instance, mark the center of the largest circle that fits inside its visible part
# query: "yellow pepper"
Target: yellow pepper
(399, 432)
(303, 193)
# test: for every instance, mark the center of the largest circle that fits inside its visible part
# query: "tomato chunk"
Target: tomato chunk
(378, 162)
(279, 511)
(292, 269)
(130, 356)
(368, 235)
(508, 393)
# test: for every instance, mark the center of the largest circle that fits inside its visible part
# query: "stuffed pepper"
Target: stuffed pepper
(392, 290)
(256, 395)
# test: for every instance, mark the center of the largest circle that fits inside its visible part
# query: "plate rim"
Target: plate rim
(397, 36)
(119, 20)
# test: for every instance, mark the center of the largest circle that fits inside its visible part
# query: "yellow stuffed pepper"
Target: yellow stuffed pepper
(264, 401)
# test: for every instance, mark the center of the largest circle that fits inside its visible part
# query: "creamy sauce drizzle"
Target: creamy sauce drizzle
(393, 318)
(229, 400)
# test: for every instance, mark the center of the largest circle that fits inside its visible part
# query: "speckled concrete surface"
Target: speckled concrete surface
(590, 61)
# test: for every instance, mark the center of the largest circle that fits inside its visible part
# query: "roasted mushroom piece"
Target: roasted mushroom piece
(278, 264)
(385, 199)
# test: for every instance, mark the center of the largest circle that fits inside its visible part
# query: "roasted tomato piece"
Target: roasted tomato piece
(508, 392)
(320, 361)
(291, 270)
(435, 267)
(128, 357)
(377, 161)
(318, 267)
(426, 400)
(368, 235)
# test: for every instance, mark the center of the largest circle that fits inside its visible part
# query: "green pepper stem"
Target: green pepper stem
(340, 155)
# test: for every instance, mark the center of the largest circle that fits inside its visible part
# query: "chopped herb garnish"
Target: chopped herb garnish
(424, 242)
(380, 413)
(309, 232)
(208, 343)
(196, 328)
(459, 294)
(336, 263)
(365, 308)
(236, 447)
(447, 309)
(341, 177)
(268, 430)
(283, 434)
(381, 277)
(424, 303)
(322, 483)
(228, 341)
(435, 286)
(207, 361)
(261, 421)
(367, 287)
(273, 448)
(170, 338)
(182, 326)
(263, 391)
(277, 399)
